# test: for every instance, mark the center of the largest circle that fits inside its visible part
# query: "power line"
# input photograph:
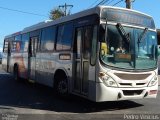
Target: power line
(105, 2)
(110, 2)
(117, 2)
(14, 10)
(100, 2)
(93, 3)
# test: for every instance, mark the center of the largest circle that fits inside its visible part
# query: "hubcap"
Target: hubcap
(62, 87)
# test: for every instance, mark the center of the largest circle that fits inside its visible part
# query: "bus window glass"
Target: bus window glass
(135, 54)
(67, 36)
(16, 44)
(24, 43)
(59, 38)
(5, 49)
(79, 39)
(64, 37)
(94, 46)
(48, 38)
(158, 36)
(87, 42)
(18, 38)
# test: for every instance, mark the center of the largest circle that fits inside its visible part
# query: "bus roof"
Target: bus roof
(95, 10)
(14, 34)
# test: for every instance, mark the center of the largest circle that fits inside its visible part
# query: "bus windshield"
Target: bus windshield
(129, 48)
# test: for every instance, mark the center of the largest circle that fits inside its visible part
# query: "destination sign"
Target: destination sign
(128, 17)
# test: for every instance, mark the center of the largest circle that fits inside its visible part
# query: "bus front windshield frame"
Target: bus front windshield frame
(129, 48)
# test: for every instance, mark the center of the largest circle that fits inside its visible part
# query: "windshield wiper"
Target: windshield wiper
(127, 36)
(142, 35)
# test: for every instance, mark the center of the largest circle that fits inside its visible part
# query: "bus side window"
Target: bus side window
(17, 43)
(48, 39)
(64, 38)
(5, 48)
(24, 43)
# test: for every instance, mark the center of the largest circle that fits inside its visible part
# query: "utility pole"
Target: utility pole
(65, 6)
(129, 4)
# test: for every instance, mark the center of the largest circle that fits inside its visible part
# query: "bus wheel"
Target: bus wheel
(16, 74)
(61, 87)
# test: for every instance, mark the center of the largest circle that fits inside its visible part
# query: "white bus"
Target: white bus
(102, 54)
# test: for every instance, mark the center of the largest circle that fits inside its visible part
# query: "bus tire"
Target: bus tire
(61, 86)
(16, 73)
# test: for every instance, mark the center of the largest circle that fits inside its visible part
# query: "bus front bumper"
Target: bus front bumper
(104, 93)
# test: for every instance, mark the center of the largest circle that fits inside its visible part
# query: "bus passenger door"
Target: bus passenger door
(8, 56)
(82, 55)
(32, 58)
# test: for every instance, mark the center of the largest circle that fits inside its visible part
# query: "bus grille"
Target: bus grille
(132, 76)
(132, 92)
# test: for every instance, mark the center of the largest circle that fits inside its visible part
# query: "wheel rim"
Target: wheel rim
(62, 87)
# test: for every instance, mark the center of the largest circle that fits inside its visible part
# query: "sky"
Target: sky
(12, 21)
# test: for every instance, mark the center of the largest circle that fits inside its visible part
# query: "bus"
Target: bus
(101, 54)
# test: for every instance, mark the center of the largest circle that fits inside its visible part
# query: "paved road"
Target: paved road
(26, 101)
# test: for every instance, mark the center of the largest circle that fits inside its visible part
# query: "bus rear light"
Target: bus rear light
(151, 92)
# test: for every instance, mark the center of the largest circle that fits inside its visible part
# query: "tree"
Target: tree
(56, 13)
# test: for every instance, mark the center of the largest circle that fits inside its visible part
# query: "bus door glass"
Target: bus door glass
(6, 55)
(82, 57)
(8, 46)
(32, 57)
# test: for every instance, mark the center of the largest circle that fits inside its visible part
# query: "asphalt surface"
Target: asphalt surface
(26, 101)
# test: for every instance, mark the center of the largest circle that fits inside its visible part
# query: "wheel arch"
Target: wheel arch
(15, 65)
(59, 73)
(16, 72)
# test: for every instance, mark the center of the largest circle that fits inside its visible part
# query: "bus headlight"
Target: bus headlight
(108, 80)
(153, 82)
